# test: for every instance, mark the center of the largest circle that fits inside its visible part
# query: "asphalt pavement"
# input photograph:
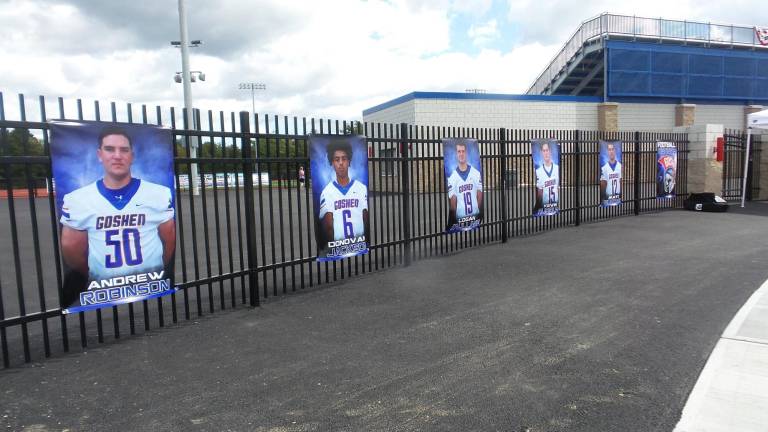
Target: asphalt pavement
(602, 327)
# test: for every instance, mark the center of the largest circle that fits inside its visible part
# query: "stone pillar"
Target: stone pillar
(705, 173)
(685, 115)
(608, 116)
(762, 165)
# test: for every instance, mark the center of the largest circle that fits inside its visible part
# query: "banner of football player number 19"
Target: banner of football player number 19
(115, 195)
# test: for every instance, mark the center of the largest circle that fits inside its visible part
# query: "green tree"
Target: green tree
(20, 142)
(281, 157)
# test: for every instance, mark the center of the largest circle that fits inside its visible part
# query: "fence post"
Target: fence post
(503, 183)
(577, 172)
(638, 173)
(250, 222)
(405, 191)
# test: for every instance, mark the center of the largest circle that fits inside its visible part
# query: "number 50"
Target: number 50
(125, 249)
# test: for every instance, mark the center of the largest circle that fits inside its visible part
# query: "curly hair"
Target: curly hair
(338, 145)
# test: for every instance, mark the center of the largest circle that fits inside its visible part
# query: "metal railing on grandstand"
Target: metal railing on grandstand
(606, 25)
(240, 243)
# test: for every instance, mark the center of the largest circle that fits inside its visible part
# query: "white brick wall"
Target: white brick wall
(730, 116)
(520, 114)
(401, 113)
(510, 114)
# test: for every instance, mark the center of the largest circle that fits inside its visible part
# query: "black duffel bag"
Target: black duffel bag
(707, 201)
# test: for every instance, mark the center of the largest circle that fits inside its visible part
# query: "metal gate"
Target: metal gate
(733, 165)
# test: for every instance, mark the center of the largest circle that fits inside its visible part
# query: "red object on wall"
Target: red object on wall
(720, 149)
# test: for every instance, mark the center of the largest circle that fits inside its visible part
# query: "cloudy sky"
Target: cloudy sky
(330, 58)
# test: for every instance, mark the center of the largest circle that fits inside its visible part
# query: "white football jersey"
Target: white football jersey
(612, 176)
(548, 180)
(122, 226)
(346, 204)
(464, 185)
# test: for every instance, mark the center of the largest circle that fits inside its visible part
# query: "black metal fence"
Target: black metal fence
(735, 148)
(240, 243)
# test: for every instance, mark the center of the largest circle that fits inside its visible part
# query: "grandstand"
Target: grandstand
(640, 58)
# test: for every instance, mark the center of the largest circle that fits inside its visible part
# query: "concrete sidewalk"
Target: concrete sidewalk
(731, 393)
(604, 327)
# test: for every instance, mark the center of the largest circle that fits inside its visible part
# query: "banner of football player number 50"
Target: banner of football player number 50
(115, 197)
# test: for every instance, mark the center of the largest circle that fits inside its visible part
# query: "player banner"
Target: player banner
(666, 163)
(115, 204)
(546, 163)
(610, 173)
(339, 170)
(464, 183)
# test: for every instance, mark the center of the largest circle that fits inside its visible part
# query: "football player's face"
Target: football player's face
(116, 155)
(461, 154)
(611, 153)
(341, 164)
(546, 153)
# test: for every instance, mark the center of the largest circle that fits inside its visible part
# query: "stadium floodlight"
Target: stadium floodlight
(252, 86)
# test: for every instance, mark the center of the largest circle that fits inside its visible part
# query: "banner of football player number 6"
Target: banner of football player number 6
(115, 195)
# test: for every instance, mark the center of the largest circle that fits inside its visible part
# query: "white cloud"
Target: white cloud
(476, 8)
(484, 33)
(332, 60)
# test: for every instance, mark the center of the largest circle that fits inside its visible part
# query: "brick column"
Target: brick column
(608, 116)
(705, 173)
(685, 115)
(762, 165)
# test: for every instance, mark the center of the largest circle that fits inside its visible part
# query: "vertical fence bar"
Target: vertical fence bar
(503, 182)
(638, 173)
(81, 315)
(205, 169)
(15, 247)
(55, 229)
(245, 140)
(406, 207)
(577, 175)
(3, 333)
(31, 187)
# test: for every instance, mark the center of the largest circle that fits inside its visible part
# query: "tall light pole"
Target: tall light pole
(186, 79)
(252, 86)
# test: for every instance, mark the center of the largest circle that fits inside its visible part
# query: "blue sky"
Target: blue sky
(472, 31)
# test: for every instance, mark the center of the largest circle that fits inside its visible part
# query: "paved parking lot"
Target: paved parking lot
(600, 327)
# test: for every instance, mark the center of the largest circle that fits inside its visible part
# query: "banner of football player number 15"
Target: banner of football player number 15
(115, 195)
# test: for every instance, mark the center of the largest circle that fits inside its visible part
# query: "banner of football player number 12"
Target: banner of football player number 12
(115, 196)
